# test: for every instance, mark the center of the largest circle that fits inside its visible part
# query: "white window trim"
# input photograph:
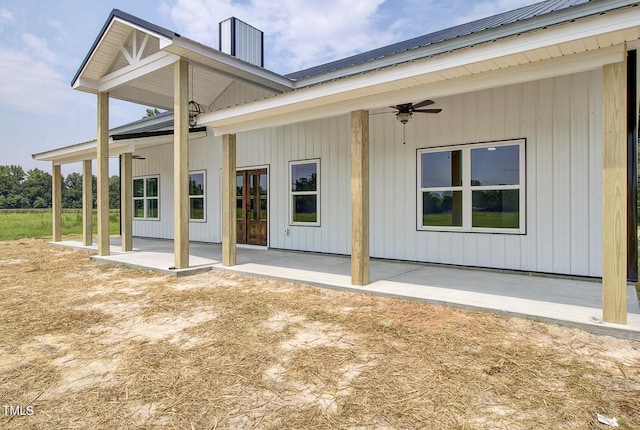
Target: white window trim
(304, 193)
(145, 198)
(467, 189)
(203, 196)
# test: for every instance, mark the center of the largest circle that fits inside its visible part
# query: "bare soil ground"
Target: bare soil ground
(90, 345)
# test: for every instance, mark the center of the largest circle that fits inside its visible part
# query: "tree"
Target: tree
(37, 188)
(10, 179)
(114, 192)
(151, 112)
(72, 191)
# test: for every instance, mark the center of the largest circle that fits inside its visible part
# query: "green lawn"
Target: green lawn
(38, 224)
(480, 219)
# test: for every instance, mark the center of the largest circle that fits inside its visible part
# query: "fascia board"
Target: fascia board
(528, 42)
(262, 76)
(388, 95)
(87, 150)
(163, 42)
(543, 22)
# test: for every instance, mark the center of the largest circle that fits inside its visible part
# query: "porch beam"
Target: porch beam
(56, 202)
(181, 164)
(360, 197)
(103, 173)
(229, 200)
(126, 202)
(136, 70)
(87, 203)
(614, 193)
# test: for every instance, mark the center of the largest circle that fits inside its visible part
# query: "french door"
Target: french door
(251, 206)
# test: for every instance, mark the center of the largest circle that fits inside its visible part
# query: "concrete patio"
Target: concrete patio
(563, 300)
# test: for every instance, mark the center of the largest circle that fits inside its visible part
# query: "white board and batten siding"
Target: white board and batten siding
(204, 154)
(560, 118)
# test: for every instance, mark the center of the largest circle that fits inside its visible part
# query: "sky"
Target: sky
(43, 43)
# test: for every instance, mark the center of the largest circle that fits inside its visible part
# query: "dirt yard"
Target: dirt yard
(85, 345)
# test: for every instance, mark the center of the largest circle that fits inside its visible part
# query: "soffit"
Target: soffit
(133, 62)
(545, 53)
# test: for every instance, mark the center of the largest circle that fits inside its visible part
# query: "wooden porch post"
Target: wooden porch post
(126, 202)
(56, 202)
(103, 173)
(87, 203)
(181, 165)
(360, 197)
(614, 193)
(229, 200)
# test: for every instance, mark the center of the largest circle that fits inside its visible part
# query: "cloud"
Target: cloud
(298, 33)
(483, 9)
(33, 85)
(38, 47)
(6, 16)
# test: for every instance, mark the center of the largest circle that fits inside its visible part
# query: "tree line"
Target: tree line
(32, 189)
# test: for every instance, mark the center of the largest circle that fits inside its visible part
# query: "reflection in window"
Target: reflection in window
(441, 169)
(495, 165)
(197, 205)
(305, 192)
(496, 209)
(442, 208)
(488, 197)
(146, 198)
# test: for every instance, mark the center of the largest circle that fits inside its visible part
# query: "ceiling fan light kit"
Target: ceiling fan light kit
(406, 110)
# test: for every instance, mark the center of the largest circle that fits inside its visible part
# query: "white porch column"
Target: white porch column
(360, 197)
(87, 203)
(614, 193)
(229, 200)
(126, 202)
(181, 165)
(56, 202)
(103, 173)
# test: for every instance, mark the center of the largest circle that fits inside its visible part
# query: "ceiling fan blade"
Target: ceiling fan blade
(423, 104)
(406, 107)
(428, 110)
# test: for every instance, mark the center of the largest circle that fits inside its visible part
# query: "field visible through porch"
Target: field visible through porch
(91, 345)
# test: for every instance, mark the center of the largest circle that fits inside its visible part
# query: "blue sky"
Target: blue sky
(42, 44)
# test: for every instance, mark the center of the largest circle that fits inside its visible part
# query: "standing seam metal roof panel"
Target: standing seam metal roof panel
(477, 26)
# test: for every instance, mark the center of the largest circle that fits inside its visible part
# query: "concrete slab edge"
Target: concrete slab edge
(179, 273)
(597, 329)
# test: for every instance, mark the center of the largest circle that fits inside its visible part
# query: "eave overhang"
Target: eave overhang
(118, 144)
(566, 48)
(147, 75)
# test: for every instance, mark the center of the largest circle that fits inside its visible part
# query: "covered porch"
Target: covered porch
(567, 301)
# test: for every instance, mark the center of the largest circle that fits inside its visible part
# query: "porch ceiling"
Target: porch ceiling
(133, 61)
(563, 49)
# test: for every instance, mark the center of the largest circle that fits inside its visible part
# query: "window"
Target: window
(146, 197)
(305, 192)
(197, 207)
(479, 187)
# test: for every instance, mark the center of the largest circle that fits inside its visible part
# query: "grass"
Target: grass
(91, 345)
(38, 223)
(480, 219)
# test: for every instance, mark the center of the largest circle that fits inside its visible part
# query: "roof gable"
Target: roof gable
(119, 35)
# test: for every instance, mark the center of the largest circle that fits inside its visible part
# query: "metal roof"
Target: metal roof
(444, 35)
(116, 13)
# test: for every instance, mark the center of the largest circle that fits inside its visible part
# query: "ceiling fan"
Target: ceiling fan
(405, 112)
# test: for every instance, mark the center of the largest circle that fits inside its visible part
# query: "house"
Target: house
(506, 143)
